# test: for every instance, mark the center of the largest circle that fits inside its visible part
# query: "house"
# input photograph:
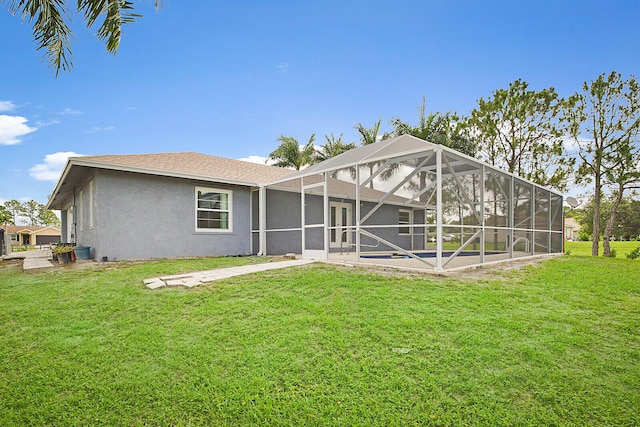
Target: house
(571, 229)
(399, 201)
(24, 235)
(159, 205)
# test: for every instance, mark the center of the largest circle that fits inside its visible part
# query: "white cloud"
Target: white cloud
(283, 67)
(52, 166)
(49, 122)
(7, 106)
(257, 159)
(69, 112)
(12, 128)
(97, 129)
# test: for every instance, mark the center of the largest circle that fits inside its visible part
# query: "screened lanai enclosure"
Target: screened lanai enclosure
(405, 202)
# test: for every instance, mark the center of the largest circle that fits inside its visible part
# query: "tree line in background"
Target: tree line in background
(527, 132)
(33, 213)
(625, 226)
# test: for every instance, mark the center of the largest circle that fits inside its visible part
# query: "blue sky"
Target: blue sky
(227, 78)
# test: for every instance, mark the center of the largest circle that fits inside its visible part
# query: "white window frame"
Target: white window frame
(404, 224)
(229, 210)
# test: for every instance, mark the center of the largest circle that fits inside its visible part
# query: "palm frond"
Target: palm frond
(117, 13)
(50, 29)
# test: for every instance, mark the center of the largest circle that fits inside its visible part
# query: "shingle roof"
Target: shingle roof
(196, 164)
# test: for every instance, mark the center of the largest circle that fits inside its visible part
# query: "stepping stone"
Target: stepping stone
(155, 284)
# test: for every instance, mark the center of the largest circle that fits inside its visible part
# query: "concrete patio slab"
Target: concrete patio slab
(207, 276)
(38, 259)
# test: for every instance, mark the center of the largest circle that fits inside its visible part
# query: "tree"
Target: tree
(446, 129)
(332, 148)
(628, 220)
(6, 217)
(290, 154)
(604, 123)
(16, 209)
(35, 213)
(626, 224)
(30, 210)
(51, 18)
(517, 130)
(47, 217)
(370, 136)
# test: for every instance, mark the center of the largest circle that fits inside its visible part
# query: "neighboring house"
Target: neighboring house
(23, 235)
(571, 229)
(399, 197)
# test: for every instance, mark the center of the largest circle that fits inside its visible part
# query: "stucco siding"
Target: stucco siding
(140, 216)
(86, 214)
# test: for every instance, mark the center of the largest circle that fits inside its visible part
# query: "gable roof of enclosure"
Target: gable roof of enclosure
(397, 147)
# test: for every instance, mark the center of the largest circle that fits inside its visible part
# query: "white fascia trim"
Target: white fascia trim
(63, 177)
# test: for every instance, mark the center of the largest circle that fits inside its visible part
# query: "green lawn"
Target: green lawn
(555, 344)
(584, 248)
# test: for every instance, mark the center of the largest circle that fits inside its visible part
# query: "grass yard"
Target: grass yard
(554, 344)
(584, 248)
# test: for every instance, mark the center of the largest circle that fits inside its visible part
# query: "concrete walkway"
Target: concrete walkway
(190, 280)
(36, 259)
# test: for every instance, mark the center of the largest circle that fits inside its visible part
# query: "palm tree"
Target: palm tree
(332, 148)
(290, 154)
(369, 136)
(51, 30)
(440, 128)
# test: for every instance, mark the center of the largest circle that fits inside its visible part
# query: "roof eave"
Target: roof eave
(63, 177)
(79, 161)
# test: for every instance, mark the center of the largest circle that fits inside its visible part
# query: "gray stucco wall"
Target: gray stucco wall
(64, 224)
(141, 216)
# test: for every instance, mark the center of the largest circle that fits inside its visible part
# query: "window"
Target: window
(213, 209)
(14, 237)
(404, 218)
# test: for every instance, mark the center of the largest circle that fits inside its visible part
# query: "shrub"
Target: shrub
(634, 254)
